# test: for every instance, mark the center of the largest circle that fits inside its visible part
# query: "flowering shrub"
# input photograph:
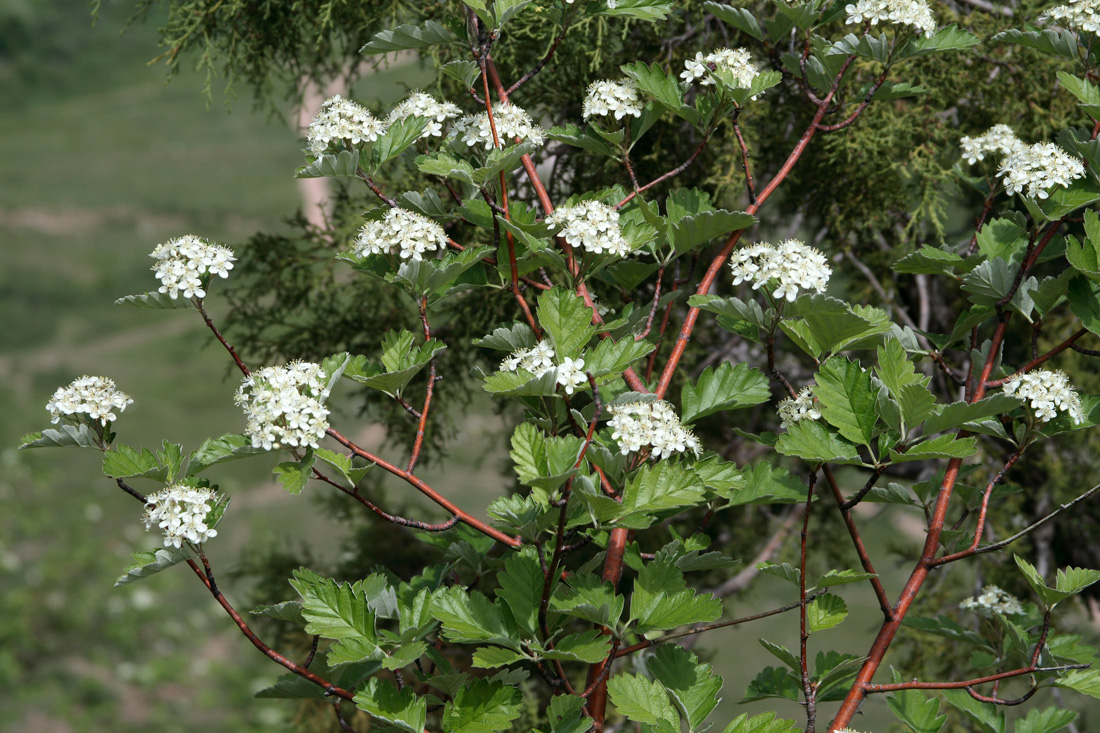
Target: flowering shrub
(693, 394)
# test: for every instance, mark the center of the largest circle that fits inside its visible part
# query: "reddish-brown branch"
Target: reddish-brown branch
(132, 491)
(597, 673)
(652, 308)
(391, 518)
(427, 491)
(749, 183)
(207, 579)
(964, 684)
(808, 691)
(1041, 358)
(665, 176)
(218, 335)
(857, 541)
(418, 443)
(862, 106)
(542, 62)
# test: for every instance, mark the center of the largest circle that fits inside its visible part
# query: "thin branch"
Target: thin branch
(218, 335)
(1040, 359)
(1035, 525)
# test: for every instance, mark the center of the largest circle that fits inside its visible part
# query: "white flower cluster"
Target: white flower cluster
(571, 374)
(617, 98)
(736, 61)
(421, 104)
(181, 512)
(511, 122)
(182, 262)
(915, 13)
(638, 424)
(1082, 15)
(1039, 168)
(999, 139)
(95, 397)
(538, 359)
(401, 232)
(341, 121)
(592, 226)
(610, 3)
(1047, 392)
(993, 599)
(285, 405)
(792, 264)
(796, 409)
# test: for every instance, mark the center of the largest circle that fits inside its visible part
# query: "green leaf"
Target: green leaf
(692, 231)
(847, 399)
(958, 414)
(643, 701)
(585, 139)
(834, 673)
(1046, 720)
(408, 36)
(1085, 681)
(567, 320)
(814, 443)
(610, 358)
(81, 436)
(122, 461)
(1069, 582)
(590, 598)
(693, 686)
(228, 447)
(662, 488)
(781, 653)
(490, 657)
(150, 563)
(739, 18)
(520, 588)
(782, 570)
(1084, 303)
(920, 713)
(951, 38)
(1087, 93)
(766, 484)
(518, 336)
(286, 611)
(588, 647)
(470, 618)
(934, 261)
(566, 715)
(774, 682)
(987, 716)
(640, 9)
(990, 282)
(654, 82)
(763, 723)
(1058, 42)
(351, 474)
(522, 383)
(505, 10)
(504, 159)
(465, 72)
(341, 611)
(401, 361)
(908, 388)
(728, 387)
(294, 687)
(156, 301)
(294, 475)
(1065, 201)
(397, 138)
(543, 462)
(943, 446)
(445, 166)
(400, 708)
(343, 165)
(1085, 256)
(842, 577)
(662, 601)
(481, 706)
(825, 612)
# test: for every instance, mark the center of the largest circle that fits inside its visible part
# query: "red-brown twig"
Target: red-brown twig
(1041, 358)
(218, 335)
(808, 690)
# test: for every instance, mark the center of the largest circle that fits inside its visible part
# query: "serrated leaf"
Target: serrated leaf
(739, 18)
(643, 701)
(847, 399)
(663, 487)
(122, 461)
(692, 685)
(343, 165)
(543, 462)
(470, 618)
(774, 682)
(65, 436)
(826, 612)
(662, 601)
(565, 713)
(156, 301)
(1087, 93)
(465, 72)
(763, 723)
(400, 708)
(692, 231)
(933, 261)
(490, 657)
(943, 446)
(286, 611)
(648, 10)
(397, 138)
(228, 447)
(1046, 720)
(814, 443)
(1085, 681)
(914, 709)
(294, 475)
(1085, 256)
(409, 36)
(951, 38)
(988, 717)
(150, 563)
(957, 414)
(342, 612)
(654, 82)
(294, 687)
(1069, 582)
(728, 387)
(908, 388)
(610, 358)
(842, 577)
(587, 647)
(401, 361)
(481, 706)
(1054, 41)
(351, 474)
(518, 336)
(782, 570)
(585, 139)
(520, 588)
(590, 598)
(1084, 303)
(567, 321)
(782, 653)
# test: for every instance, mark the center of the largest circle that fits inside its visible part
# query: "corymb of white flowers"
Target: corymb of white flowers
(341, 122)
(913, 13)
(404, 233)
(1035, 169)
(790, 265)
(422, 104)
(1082, 15)
(993, 599)
(1047, 392)
(618, 98)
(796, 409)
(638, 424)
(538, 359)
(93, 397)
(181, 512)
(592, 226)
(285, 405)
(182, 263)
(998, 140)
(511, 122)
(735, 61)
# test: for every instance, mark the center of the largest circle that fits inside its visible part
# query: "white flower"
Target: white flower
(734, 61)
(341, 122)
(791, 266)
(915, 13)
(538, 360)
(571, 373)
(95, 397)
(638, 424)
(993, 599)
(285, 405)
(421, 104)
(511, 122)
(1082, 15)
(999, 139)
(610, 3)
(617, 98)
(795, 409)
(402, 232)
(1039, 168)
(1047, 392)
(181, 512)
(591, 226)
(182, 262)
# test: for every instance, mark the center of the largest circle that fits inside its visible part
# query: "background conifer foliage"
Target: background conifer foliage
(791, 295)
